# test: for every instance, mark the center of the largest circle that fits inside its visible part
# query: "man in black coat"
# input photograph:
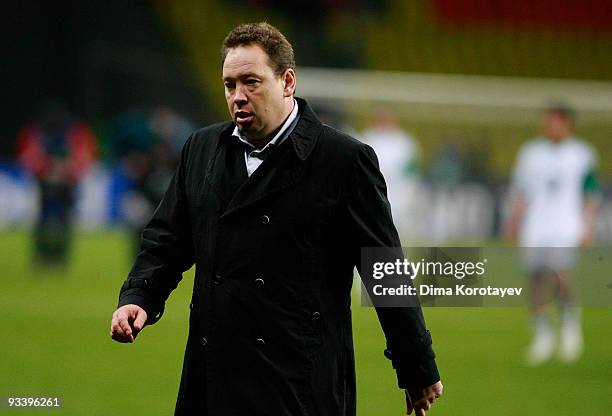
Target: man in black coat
(273, 209)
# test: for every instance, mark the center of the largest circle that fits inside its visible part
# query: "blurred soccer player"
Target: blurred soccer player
(57, 151)
(553, 213)
(397, 155)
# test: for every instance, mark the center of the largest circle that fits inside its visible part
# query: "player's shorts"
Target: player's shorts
(537, 260)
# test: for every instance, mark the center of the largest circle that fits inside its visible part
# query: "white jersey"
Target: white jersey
(397, 153)
(551, 179)
(395, 150)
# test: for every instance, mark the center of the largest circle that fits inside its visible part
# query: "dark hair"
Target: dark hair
(563, 110)
(269, 38)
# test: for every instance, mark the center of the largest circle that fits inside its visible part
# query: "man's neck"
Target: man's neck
(558, 140)
(259, 143)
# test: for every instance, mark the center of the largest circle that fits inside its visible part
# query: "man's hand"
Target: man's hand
(127, 322)
(421, 400)
(515, 219)
(587, 239)
(591, 206)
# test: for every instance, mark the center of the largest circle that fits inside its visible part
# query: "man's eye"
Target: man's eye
(251, 81)
(229, 85)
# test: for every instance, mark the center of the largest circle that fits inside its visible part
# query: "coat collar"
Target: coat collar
(282, 170)
(307, 131)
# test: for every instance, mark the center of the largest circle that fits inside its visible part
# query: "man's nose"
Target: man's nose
(239, 96)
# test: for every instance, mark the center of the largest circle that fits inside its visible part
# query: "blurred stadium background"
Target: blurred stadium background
(463, 81)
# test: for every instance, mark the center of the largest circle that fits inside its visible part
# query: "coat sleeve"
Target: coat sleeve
(166, 250)
(409, 345)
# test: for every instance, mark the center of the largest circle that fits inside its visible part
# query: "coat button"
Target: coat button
(217, 280)
(259, 282)
(388, 354)
(316, 316)
(191, 306)
(203, 341)
(260, 342)
(264, 219)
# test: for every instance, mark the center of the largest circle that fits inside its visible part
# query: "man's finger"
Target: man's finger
(125, 326)
(424, 404)
(117, 333)
(116, 329)
(409, 407)
(140, 320)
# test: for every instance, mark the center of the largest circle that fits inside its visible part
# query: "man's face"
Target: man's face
(555, 126)
(256, 96)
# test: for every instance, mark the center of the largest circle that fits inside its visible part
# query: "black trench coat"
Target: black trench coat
(270, 325)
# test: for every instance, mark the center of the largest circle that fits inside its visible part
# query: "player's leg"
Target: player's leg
(571, 343)
(542, 345)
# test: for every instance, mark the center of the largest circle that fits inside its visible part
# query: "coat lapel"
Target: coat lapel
(227, 172)
(283, 168)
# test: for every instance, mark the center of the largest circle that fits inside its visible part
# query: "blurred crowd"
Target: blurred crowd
(115, 173)
(123, 165)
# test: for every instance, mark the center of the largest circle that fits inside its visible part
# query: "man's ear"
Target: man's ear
(289, 82)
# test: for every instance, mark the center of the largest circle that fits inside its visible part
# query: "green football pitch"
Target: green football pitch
(55, 343)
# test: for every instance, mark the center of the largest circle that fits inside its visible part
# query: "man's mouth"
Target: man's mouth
(243, 117)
